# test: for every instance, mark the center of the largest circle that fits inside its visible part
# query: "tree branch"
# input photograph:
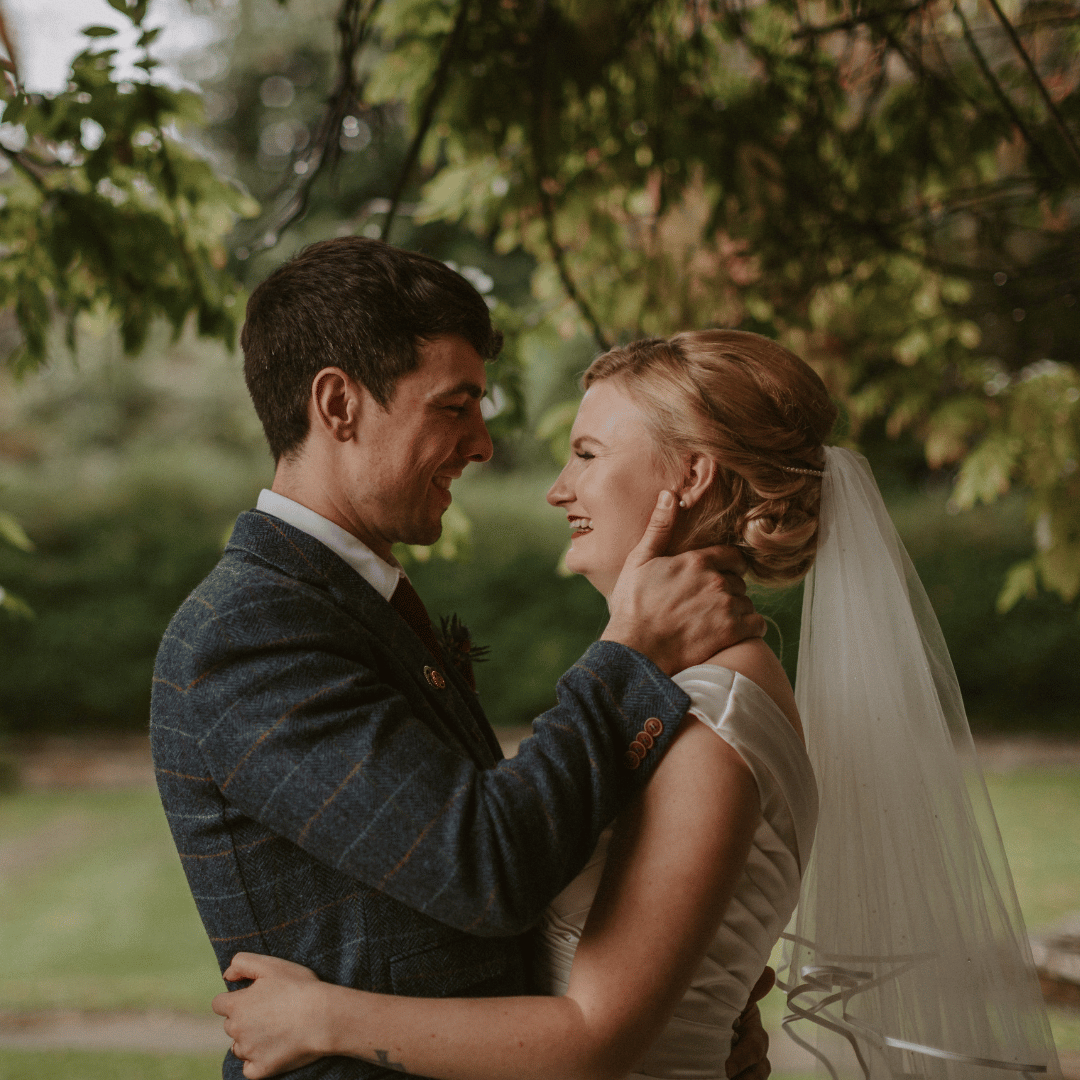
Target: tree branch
(427, 113)
(999, 92)
(859, 20)
(11, 65)
(544, 182)
(354, 19)
(1018, 45)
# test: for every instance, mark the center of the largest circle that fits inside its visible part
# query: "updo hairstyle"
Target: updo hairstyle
(751, 405)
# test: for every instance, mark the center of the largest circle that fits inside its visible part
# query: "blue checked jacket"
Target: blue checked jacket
(332, 806)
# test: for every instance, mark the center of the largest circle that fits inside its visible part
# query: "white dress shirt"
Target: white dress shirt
(381, 575)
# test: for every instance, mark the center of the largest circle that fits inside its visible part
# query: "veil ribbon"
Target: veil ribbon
(909, 955)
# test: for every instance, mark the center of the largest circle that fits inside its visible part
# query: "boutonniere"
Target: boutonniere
(459, 648)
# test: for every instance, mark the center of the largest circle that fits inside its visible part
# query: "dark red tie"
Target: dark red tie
(407, 603)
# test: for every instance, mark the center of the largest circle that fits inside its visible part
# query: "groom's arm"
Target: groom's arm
(303, 735)
(320, 750)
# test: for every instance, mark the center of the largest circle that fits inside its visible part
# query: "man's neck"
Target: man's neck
(305, 483)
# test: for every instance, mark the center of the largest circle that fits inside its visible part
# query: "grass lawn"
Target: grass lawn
(98, 915)
(1039, 817)
(98, 1065)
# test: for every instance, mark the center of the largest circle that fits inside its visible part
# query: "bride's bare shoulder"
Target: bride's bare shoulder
(754, 660)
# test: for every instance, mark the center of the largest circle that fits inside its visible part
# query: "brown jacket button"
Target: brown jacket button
(631, 759)
(637, 748)
(645, 739)
(434, 678)
(654, 727)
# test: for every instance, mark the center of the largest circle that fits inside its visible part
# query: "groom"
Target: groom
(333, 787)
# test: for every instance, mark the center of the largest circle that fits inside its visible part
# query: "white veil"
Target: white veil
(909, 955)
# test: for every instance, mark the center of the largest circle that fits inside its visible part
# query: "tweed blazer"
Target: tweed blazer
(334, 806)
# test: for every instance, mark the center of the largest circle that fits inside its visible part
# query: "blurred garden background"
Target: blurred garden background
(892, 189)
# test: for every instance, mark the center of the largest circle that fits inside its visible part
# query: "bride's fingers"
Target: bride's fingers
(238, 964)
(222, 1004)
(246, 965)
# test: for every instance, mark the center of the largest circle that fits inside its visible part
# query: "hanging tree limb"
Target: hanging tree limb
(999, 92)
(860, 20)
(354, 22)
(427, 112)
(545, 184)
(1018, 45)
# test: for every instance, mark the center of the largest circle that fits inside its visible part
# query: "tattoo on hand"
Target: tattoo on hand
(386, 1063)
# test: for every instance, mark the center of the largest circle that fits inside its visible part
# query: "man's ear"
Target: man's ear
(699, 471)
(336, 403)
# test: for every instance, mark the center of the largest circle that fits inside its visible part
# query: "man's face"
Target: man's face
(406, 456)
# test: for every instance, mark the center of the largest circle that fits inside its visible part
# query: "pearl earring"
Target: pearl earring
(682, 503)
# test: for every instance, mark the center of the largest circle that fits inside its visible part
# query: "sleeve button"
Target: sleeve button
(653, 727)
(645, 739)
(631, 760)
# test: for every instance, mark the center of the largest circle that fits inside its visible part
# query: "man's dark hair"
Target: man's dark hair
(357, 304)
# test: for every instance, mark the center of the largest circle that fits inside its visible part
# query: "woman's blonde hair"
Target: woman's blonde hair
(758, 411)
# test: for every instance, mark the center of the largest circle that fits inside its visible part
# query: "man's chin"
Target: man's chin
(423, 536)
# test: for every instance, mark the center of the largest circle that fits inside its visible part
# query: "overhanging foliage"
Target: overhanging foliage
(892, 189)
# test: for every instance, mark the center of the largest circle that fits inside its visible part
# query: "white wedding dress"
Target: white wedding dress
(697, 1039)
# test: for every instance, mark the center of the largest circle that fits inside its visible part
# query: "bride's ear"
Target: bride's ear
(699, 471)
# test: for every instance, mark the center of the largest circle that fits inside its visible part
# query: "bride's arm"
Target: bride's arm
(671, 870)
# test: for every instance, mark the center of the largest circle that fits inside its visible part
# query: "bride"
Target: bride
(907, 955)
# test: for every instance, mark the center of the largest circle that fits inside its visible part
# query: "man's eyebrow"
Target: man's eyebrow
(474, 390)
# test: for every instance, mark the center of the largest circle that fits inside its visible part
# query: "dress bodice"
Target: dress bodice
(697, 1040)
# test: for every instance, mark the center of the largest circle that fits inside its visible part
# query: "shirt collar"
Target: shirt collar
(381, 575)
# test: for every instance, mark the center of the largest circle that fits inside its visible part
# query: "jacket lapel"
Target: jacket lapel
(303, 558)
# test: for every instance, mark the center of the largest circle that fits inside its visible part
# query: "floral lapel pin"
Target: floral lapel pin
(459, 649)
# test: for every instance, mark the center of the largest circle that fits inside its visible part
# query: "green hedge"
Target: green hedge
(103, 587)
(104, 583)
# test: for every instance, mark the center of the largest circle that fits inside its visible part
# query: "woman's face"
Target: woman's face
(610, 484)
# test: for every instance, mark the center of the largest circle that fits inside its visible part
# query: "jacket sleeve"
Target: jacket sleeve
(302, 734)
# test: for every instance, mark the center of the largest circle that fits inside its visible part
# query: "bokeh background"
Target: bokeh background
(890, 189)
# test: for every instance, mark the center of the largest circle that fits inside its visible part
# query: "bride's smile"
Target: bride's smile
(610, 484)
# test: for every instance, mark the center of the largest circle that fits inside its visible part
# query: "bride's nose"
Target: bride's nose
(559, 492)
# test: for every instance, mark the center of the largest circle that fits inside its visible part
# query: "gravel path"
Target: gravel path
(65, 1029)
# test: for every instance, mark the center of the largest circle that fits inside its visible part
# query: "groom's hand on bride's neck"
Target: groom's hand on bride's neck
(679, 610)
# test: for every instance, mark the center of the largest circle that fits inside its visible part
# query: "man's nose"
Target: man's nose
(479, 446)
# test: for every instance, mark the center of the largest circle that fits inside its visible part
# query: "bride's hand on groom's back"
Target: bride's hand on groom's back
(679, 610)
(276, 1021)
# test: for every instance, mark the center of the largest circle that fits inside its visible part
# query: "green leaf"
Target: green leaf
(554, 427)
(98, 31)
(148, 37)
(950, 429)
(1020, 582)
(15, 606)
(135, 10)
(12, 532)
(986, 472)
(15, 108)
